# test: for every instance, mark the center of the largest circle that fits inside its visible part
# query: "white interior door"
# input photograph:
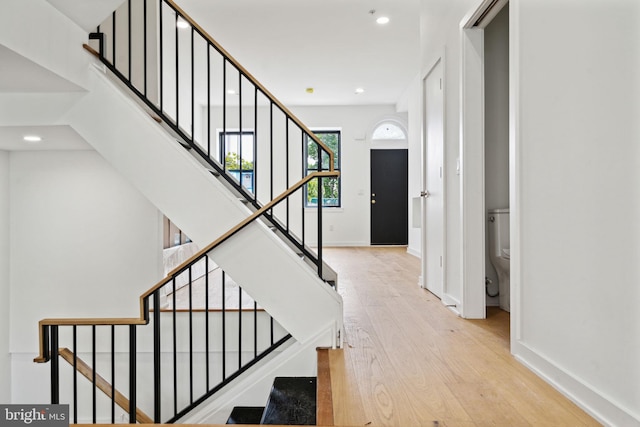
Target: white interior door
(433, 183)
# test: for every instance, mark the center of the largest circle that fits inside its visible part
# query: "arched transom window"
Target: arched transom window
(388, 130)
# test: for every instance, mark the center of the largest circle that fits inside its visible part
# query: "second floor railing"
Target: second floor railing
(217, 109)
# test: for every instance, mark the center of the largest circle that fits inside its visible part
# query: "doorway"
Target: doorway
(389, 195)
(473, 154)
(433, 218)
(496, 138)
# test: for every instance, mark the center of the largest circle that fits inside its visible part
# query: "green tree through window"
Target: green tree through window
(237, 150)
(330, 186)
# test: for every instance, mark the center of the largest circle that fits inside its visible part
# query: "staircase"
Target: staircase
(143, 112)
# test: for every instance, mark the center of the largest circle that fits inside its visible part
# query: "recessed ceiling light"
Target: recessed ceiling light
(382, 20)
(309, 90)
(32, 138)
(359, 91)
(182, 23)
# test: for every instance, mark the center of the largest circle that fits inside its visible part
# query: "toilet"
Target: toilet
(500, 251)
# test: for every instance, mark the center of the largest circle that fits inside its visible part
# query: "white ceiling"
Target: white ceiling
(333, 46)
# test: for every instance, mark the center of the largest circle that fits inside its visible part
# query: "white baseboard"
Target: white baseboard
(414, 252)
(604, 410)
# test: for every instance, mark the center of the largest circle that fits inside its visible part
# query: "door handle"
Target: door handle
(373, 202)
(425, 194)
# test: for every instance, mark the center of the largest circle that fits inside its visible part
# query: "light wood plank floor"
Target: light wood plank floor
(408, 361)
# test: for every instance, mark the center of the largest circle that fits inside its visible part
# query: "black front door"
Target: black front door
(389, 197)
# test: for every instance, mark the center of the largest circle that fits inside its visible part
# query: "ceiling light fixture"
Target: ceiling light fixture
(359, 91)
(32, 138)
(382, 20)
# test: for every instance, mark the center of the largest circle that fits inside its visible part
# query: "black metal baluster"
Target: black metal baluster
(129, 38)
(239, 327)
(208, 101)
(177, 75)
(306, 186)
(157, 371)
(224, 328)
(320, 196)
(193, 90)
(55, 366)
(190, 338)
(271, 151)
(75, 374)
(161, 57)
(254, 180)
(175, 352)
(144, 24)
(113, 37)
(240, 126)
(206, 315)
(93, 373)
(272, 340)
(113, 373)
(132, 374)
(286, 168)
(223, 142)
(255, 329)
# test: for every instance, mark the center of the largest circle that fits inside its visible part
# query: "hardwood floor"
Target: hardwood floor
(408, 361)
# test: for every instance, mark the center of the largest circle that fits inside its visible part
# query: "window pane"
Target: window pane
(332, 140)
(330, 192)
(330, 186)
(238, 156)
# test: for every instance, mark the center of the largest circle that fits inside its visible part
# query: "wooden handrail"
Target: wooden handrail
(253, 80)
(142, 320)
(102, 384)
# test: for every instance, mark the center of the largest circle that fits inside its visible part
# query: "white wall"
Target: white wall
(575, 159)
(5, 360)
(350, 224)
(579, 162)
(83, 242)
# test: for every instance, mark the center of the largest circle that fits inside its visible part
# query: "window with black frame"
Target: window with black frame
(237, 148)
(330, 186)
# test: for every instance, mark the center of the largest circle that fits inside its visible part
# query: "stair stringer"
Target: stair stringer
(175, 182)
(252, 389)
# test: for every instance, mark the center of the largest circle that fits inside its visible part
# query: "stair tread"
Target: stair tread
(292, 401)
(246, 415)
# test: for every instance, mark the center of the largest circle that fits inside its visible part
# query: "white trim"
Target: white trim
(394, 121)
(414, 253)
(602, 408)
(472, 205)
(515, 174)
(485, 12)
